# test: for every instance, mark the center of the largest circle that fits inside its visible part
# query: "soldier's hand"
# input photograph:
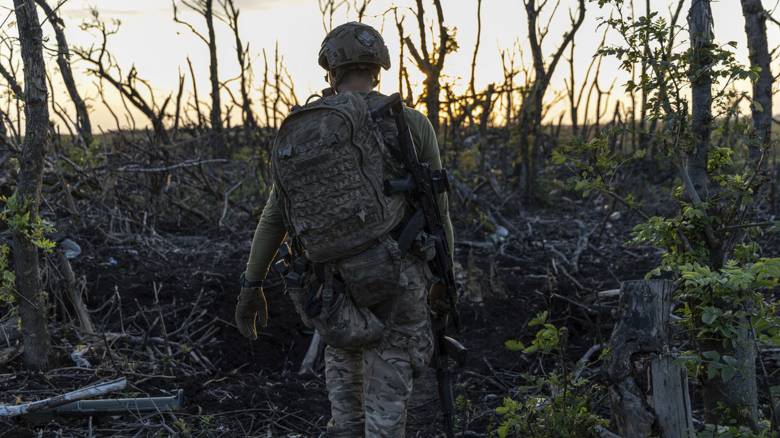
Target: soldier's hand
(438, 300)
(251, 309)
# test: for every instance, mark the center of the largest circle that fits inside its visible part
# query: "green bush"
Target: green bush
(556, 405)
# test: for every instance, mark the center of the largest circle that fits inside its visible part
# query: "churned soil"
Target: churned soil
(178, 285)
(254, 387)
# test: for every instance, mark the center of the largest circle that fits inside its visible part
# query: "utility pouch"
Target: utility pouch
(372, 276)
(339, 321)
(424, 247)
(297, 283)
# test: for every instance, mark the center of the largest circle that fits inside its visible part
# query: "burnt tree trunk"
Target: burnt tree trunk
(216, 104)
(472, 78)
(33, 305)
(432, 91)
(487, 105)
(700, 25)
(83, 123)
(531, 109)
(430, 63)
(648, 391)
(739, 394)
(244, 65)
(755, 28)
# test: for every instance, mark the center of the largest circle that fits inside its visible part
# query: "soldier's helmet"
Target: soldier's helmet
(353, 43)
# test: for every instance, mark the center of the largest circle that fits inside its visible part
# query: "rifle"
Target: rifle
(422, 186)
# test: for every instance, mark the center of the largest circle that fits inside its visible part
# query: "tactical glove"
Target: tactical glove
(252, 307)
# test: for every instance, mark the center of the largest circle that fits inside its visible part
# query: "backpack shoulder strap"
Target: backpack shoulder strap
(379, 106)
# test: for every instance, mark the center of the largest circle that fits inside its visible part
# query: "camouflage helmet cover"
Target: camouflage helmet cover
(353, 43)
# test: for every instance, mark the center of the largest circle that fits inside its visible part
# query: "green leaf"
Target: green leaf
(713, 369)
(709, 315)
(514, 345)
(730, 360)
(539, 319)
(711, 355)
(531, 349)
(727, 373)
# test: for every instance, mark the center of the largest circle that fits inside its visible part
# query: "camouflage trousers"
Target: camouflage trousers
(369, 388)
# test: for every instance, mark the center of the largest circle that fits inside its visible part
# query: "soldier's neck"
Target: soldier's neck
(359, 87)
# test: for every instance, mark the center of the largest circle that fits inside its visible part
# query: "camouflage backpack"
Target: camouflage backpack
(329, 163)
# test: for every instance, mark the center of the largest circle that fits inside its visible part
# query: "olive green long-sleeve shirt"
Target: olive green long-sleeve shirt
(271, 231)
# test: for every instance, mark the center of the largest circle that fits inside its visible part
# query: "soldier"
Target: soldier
(367, 298)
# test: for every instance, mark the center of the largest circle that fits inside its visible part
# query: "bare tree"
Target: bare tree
(700, 26)
(205, 8)
(740, 392)
(575, 96)
(200, 120)
(403, 74)
(328, 9)
(10, 78)
(278, 91)
(13, 96)
(530, 122)
(755, 28)
(431, 62)
(476, 51)
(265, 92)
(177, 113)
(104, 67)
(244, 64)
(83, 124)
(486, 107)
(360, 7)
(32, 307)
(510, 71)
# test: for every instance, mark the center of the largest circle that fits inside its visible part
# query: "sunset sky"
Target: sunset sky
(158, 47)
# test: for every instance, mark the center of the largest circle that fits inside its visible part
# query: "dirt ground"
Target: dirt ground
(163, 295)
(254, 388)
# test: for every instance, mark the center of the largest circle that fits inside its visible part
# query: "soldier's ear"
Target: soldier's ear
(330, 80)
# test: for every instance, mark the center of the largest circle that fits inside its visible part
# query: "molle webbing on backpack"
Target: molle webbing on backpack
(329, 163)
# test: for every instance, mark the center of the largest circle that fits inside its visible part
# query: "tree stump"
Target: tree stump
(648, 391)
